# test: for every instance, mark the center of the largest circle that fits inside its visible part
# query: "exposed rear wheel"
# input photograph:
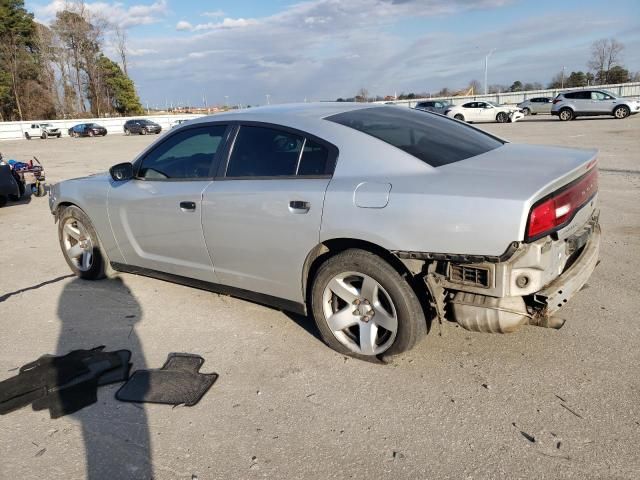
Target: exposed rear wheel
(79, 244)
(459, 116)
(621, 112)
(364, 307)
(566, 114)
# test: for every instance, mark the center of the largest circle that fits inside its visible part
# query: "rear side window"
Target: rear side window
(434, 139)
(268, 152)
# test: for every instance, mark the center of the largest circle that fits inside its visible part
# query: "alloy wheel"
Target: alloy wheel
(78, 246)
(360, 313)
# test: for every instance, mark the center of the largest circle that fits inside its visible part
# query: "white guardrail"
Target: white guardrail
(114, 126)
(511, 98)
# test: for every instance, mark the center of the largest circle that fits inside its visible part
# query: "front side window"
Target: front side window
(470, 105)
(189, 154)
(434, 139)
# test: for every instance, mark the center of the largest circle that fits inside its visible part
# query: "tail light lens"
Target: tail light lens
(552, 213)
(556, 100)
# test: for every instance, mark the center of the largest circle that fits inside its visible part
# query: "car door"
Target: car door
(262, 217)
(470, 111)
(157, 217)
(602, 103)
(485, 112)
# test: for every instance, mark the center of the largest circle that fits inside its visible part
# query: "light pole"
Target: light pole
(268, 99)
(486, 65)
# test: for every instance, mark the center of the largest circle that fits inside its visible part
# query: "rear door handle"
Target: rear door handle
(299, 206)
(188, 206)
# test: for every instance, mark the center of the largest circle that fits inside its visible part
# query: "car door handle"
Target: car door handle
(299, 206)
(188, 206)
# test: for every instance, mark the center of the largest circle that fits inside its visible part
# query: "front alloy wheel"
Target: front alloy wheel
(79, 244)
(621, 112)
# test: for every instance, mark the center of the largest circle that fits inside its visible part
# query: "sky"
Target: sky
(239, 51)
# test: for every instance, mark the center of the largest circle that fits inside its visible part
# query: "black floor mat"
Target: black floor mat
(177, 382)
(63, 384)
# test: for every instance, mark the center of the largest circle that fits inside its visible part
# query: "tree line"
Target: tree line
(61, 71)
(605, 67)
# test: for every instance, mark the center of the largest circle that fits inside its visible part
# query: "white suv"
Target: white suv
(42, 130)
(569, 105)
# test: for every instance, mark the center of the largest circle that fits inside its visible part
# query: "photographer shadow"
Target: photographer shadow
(115, 434)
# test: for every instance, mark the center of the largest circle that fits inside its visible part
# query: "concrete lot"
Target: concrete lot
(286, 406)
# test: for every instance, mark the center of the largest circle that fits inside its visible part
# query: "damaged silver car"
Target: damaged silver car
(376, 220)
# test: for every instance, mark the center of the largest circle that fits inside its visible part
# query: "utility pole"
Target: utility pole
(562, 81)
(486, 67)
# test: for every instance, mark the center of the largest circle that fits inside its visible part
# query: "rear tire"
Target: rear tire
(127, 132)
(3, 200)
(526, 112)
(143, 131)
(21, 190)
(566, 114)
(91, 134)
(363, 292)
(79, 244)
(459, 116)
(27, 136)
(621, 112)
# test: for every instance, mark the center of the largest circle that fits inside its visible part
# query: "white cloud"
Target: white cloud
(213, 14)
(226, 23)
(183, 25)
(114, 12)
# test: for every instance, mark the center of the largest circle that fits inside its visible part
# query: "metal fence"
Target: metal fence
(631, 89)
(16, 130)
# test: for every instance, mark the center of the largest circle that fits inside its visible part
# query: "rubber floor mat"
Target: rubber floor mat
(63, 384)
(177, 382)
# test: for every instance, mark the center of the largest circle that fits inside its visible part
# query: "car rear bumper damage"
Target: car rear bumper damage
(529, 288)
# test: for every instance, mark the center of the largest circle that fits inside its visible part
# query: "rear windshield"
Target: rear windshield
(434, 139)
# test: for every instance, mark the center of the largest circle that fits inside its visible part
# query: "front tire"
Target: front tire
(80, 245)
(363, 307)
(566, 114)
(502, 117)
(526, 112)
(621, 112)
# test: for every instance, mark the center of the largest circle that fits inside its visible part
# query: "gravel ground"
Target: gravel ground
(538, 403)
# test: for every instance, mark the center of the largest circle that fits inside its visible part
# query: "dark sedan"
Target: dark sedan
(142, 127)
(87, 130)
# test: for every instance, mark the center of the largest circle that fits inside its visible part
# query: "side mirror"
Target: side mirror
(122, 172)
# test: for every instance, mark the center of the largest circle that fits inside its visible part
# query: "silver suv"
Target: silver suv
(569, 105)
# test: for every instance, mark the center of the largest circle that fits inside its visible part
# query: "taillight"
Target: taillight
(552, 213)
(556, 100)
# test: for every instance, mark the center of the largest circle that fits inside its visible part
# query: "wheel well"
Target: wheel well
(61, 206)
(621, 105)
(330, 248)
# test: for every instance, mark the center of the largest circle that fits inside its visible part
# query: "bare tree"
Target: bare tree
(121, 46)
(605, 54)
(363, 93)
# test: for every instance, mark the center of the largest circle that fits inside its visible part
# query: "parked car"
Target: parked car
(87, 130)
(484, 112)
(537, 105)
(437, 106)
(42, 130)
(374, 219)
(142, 127)
(569, 105)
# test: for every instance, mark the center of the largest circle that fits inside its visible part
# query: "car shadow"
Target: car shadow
(306, 323)
(115, 435)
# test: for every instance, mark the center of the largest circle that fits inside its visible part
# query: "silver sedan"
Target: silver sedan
(375, 220)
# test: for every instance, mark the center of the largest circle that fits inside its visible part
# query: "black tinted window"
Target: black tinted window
(314, 161)
(187, 154)
(433, 139)
(264, 152)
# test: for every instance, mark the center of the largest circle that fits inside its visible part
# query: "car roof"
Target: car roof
(287, 113)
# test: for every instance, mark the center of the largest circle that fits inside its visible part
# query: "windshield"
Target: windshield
(92, 125)
(146, 122)
(45, 124)
(434, 139)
